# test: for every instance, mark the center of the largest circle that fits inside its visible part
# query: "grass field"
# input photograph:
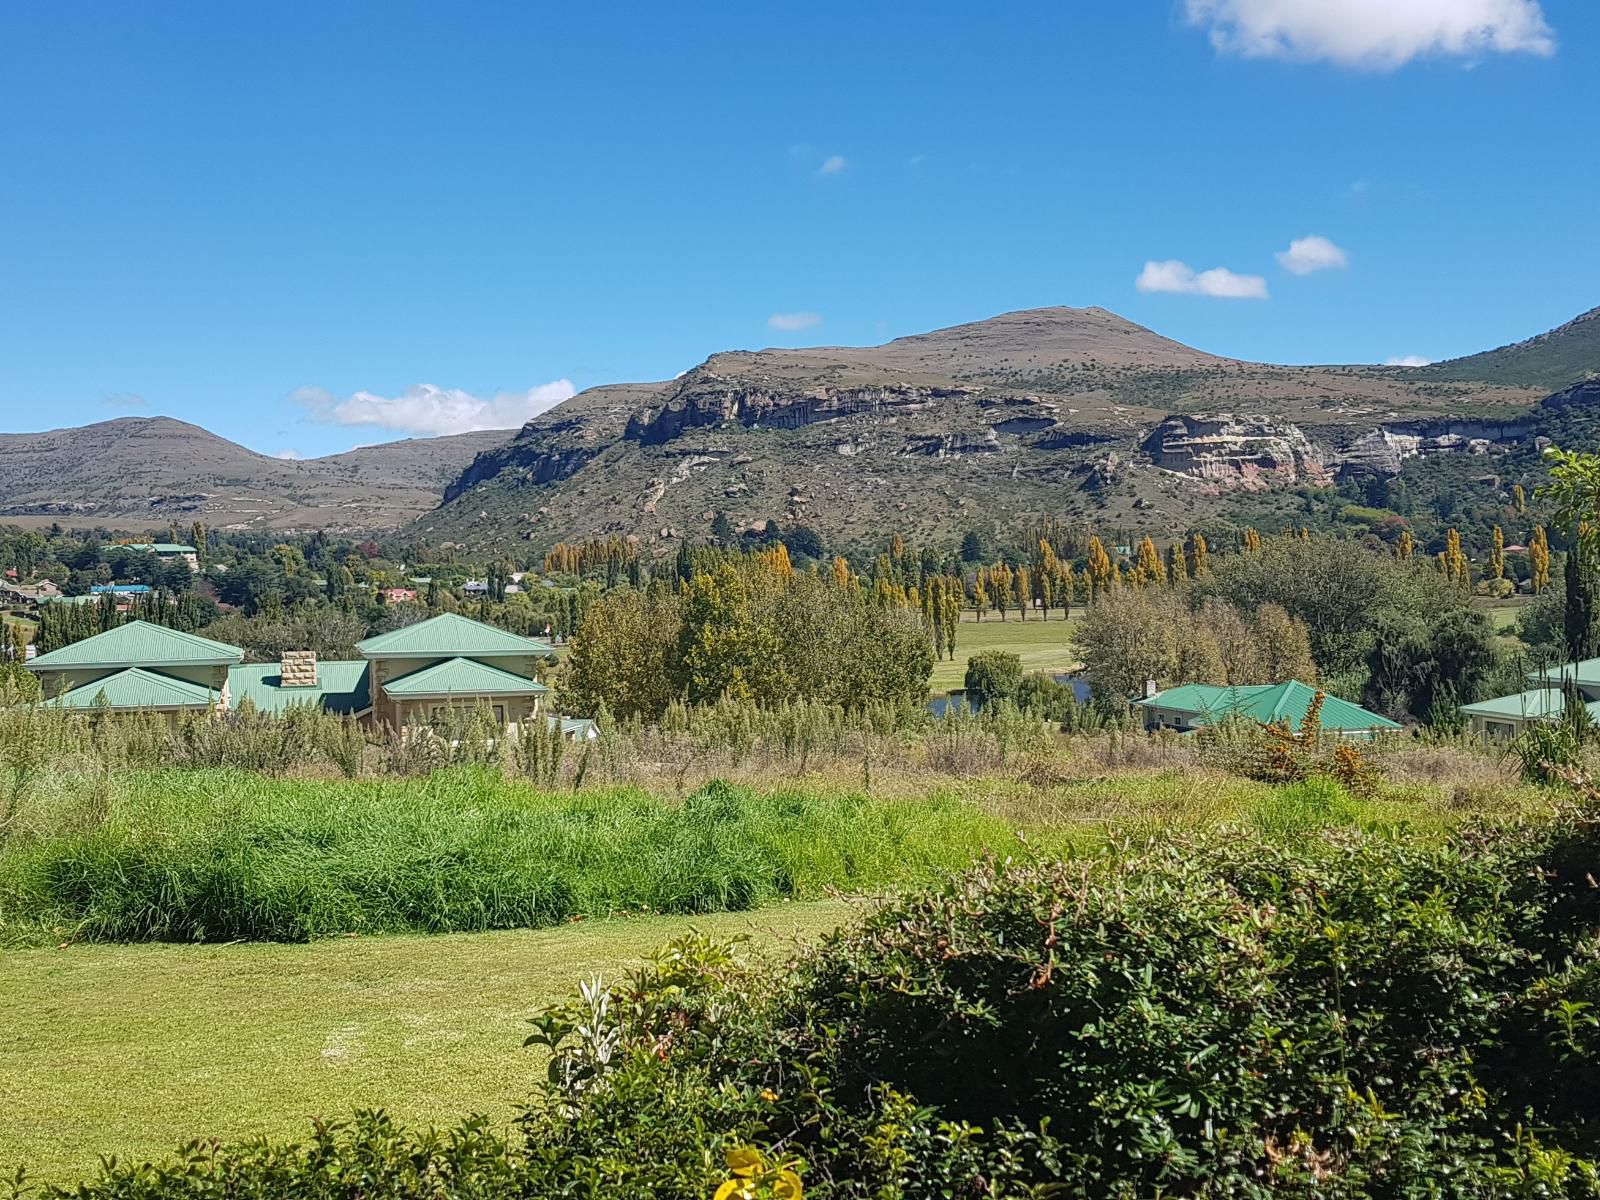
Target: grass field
(134, 1049)
(1042, 646)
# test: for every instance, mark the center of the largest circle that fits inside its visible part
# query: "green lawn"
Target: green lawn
(1042, 645)
(133, 1049)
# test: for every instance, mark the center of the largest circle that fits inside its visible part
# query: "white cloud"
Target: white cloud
(428, 411)
(790, 322)
(291, 455)
(1314, 253)
(1180, 277)
(1375, 34)
(1407, 360)
(832, 165)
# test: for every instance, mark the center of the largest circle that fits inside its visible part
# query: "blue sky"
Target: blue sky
(289, 222)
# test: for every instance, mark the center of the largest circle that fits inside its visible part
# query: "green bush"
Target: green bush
(222, 855)
(993, 675)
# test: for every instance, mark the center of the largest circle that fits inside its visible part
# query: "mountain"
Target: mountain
(1552, 361)
(142, 473)
(1057, 411)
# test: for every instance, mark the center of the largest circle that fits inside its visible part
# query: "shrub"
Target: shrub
(993, 675)
(215, 855)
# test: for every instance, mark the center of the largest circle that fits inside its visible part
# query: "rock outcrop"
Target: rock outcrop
(1248, 452)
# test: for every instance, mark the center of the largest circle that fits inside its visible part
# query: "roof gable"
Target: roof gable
(463, 677)
(139, 644)
(450, 635)
(138, 688)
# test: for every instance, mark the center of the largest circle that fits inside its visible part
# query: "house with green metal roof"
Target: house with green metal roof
(1196, 706)
(419, 674)
(1506, 717)
(138, 665)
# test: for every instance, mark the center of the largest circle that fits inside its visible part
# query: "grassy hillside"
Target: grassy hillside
(1551, 361)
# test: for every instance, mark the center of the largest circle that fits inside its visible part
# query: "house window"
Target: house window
(1500, 731)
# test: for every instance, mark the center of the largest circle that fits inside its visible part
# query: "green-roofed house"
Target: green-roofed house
(1506, 717)
(139, 665)
(420, 672)
(1196, 705)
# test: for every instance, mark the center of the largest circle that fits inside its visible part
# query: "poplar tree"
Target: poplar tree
(1252, 539)
(1405, 545)
(1022, 589)
(1177, 569)
(1539, 559)
(1149, 568)
(1497, 555)
(980, 592)
(1100, 568)
(1199, 556)
(1455, 559)
(1065, 586)
(1519, 499)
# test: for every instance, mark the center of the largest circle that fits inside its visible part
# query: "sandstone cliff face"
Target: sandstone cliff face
(1252, 453)
(705, 400)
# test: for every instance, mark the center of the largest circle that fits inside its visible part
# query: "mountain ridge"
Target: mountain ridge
(1050, 411)
(138, 472)
(1047, 411)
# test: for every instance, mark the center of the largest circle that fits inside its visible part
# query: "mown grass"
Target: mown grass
(132, 1050)
(1042, 645)
(225, 855)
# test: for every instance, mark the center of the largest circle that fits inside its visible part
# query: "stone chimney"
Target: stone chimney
(298, 669)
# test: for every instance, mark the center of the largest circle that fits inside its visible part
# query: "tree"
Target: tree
(1100, 568)
(1177, 567)
(993, 675)
(1198, 556)
(1497, 555)
(1405, 545)
(980, 592)
(972, 547)
(625, 655)
(1539, 560)
(1283, 646)
(1580, 614)
(1455, 559)
(1148, 568)
(1519, 499)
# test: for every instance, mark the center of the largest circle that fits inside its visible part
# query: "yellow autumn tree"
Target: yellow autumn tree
(1100, 568)
(1497, 555)
(1199, 556)
(1539, 559)
(1405, 545)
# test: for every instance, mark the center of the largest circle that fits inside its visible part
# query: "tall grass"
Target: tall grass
(222, 855)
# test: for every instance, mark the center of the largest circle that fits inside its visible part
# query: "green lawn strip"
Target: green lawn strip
(133, 1050)
(1042, 646)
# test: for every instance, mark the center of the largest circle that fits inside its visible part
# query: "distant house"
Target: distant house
(119, 589)
(1198, 705)
(1506, 717)
(399, 595)
(420, 674)
(167, 552)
